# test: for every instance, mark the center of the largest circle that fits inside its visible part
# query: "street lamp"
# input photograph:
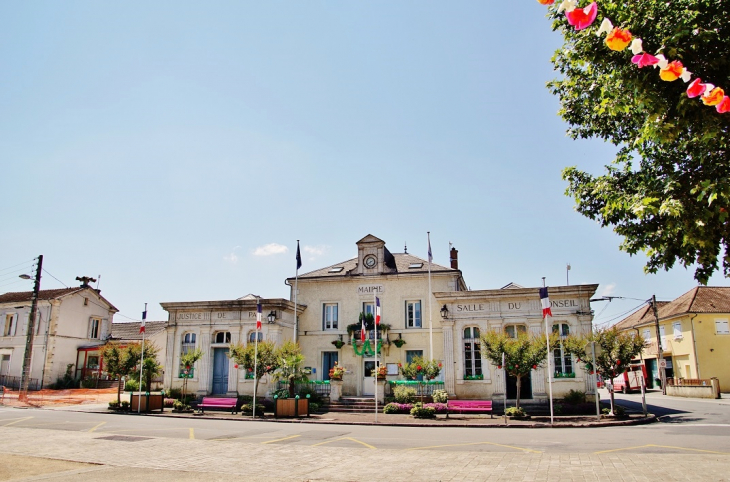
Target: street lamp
(444, 312)
(271, 317)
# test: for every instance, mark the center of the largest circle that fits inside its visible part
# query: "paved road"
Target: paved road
(693, 444)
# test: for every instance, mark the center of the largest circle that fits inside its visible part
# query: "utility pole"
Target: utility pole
(660, 350)
(25, 374)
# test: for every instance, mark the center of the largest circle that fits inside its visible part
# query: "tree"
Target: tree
(120, 361)
(188, 361)
(667, 192)
(266, 359)
(290, 365)
(617, 349)
(522, 354)
(150, 367)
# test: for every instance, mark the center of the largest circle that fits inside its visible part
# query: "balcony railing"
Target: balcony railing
(321, 388)
(423, 388)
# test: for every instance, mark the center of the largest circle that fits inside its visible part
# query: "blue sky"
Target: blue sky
(180, 149)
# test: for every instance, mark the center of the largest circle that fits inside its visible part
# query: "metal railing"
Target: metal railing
(14, 382)
(321, 388)
(423, 388)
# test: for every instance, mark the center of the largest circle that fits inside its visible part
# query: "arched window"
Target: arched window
(252, 336)
(188, 345)
(514, 330)
(222, 337)
(472, 354)
(188, 342)
(562, 360)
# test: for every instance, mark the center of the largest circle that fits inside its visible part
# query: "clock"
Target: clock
(370, 261)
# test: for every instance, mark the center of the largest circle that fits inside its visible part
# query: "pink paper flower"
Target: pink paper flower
(581, 18)
(696, 88)
(644, 60)
(724, 105)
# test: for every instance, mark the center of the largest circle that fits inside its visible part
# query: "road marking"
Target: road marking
(192, 434)
(280, 439)
(17, 421)
(93, 429)
(346, 438)
(475, 443)
(662, 447)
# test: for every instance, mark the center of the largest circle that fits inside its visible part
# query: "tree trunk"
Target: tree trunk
(519, 384)
(610, 392)
(119, 391)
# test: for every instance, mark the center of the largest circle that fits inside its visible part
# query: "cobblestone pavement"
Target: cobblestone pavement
(151, 458)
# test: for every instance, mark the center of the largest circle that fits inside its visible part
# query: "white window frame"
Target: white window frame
(252, 337)
(677, 330)
(330, 316)
(566, 364)
(719, 330)
(472, 346)
(646, 334)
(10, 328)
(414, 307)
(94, 328)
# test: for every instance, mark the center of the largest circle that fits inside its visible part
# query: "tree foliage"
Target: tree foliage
(290, 365)
(263, 360)
(522, 354)
(617, 349)
(667, 192)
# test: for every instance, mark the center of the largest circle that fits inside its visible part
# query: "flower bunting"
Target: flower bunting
(617, 39)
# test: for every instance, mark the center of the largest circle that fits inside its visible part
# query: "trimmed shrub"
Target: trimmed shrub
(404, 394)
(131, 385)
(618, 411)
(175, 393)
(114, 405)
(313, 407)
(420, 411)
(574, 397)
(248, 408)
(440, 396)
(515, 412)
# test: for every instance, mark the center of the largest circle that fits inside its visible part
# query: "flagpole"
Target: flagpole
(296, 289)
(141, 360)
(430, 323)
(256, 356)
(549, 356)
(375, 325)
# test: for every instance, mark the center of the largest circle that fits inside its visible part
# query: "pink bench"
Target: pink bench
(462, 406)
(211, 402)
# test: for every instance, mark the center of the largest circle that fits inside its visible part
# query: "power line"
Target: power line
(19, 264)
(49, 274)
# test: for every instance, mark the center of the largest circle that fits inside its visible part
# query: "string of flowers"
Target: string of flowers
(618, 39)
(367, 348)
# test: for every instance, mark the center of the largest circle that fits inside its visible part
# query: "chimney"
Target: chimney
(454, 258)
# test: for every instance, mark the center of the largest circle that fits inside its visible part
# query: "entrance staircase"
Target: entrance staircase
(352, 405)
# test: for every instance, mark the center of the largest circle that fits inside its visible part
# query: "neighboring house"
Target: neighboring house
(439, 312)
(694, 334)
(66, 319)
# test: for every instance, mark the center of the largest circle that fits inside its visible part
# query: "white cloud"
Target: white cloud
(315, 251)
(232, 258)
(608, 290)
(270, 249)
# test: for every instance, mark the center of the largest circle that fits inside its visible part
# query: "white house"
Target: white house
(66, 320)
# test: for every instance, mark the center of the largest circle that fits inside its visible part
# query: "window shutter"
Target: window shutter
(105, 330)
(14, 325)
(88, 328)
(721, 327)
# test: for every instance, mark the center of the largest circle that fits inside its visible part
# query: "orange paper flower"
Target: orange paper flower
(545, 2)
(618, 39)
(714, 97)
(672, 71)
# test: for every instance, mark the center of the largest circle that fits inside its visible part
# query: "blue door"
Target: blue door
(220, 371)
(329, 358)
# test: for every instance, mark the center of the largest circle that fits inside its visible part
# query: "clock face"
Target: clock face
(370, 261)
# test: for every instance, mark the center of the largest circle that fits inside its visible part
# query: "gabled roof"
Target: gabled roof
(701, 299)
(512, 286)
(130, 330)
(26, 296)
(403, 263)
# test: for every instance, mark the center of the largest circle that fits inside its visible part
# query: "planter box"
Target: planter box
(291, 407)
(149, 402)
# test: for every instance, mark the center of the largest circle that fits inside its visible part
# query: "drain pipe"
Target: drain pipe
(694, 343)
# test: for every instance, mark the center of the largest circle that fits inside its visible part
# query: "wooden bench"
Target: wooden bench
(212, 402)
(462, 406)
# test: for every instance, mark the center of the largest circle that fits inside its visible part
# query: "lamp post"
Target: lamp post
(271, 317)
(25, 374)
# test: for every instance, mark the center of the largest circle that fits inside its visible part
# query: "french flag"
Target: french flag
(545, 303)
(362, 330)
(377, 310)
(258, 316)
(144, 318)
